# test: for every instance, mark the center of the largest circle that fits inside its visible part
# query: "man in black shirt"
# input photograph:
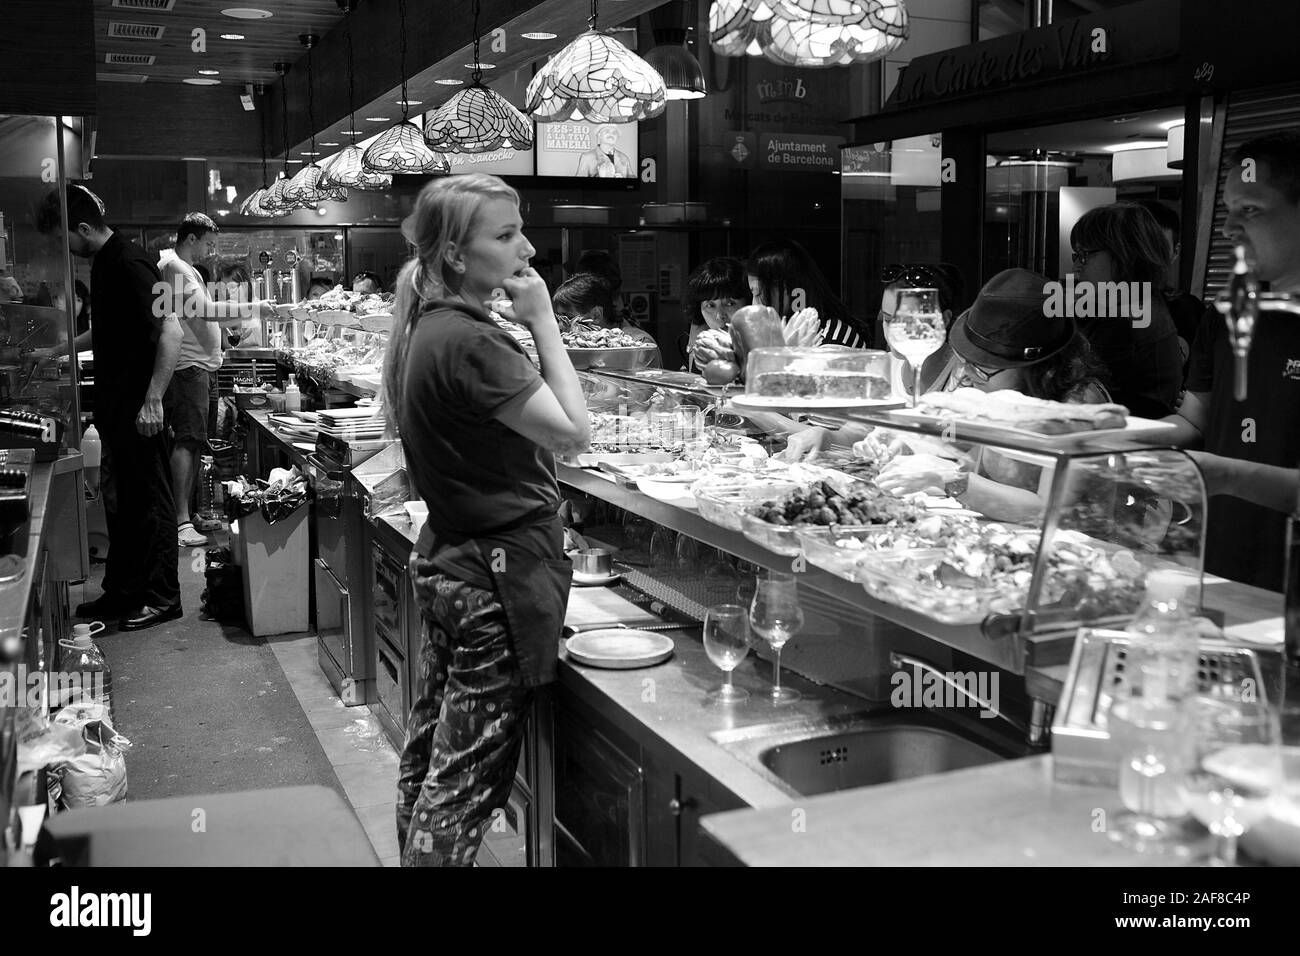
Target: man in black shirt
(1252, 447)
(136, 343)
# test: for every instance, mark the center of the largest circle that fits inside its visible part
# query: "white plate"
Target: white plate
(773, 403)
(670, 492)
(619, 648)
(1134, 427)
(594, 580)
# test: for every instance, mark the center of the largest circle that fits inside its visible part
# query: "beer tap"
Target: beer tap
(1240, 304)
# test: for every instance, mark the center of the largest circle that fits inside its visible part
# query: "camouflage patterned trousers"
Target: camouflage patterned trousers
(466, 724)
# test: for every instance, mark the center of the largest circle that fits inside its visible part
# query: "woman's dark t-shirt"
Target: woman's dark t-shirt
(476, 475)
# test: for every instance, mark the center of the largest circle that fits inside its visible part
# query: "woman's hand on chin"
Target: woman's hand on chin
(527, 302)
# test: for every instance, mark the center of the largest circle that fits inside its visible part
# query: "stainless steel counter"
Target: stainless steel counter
(27, 545)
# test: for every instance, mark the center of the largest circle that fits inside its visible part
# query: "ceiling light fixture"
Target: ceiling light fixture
(402, 149)
(378, 119)
(345, 168)
(539, 35)
(410, 102)
(247, 13)
(328, 144)
(305, 188)
(682, 73)
(598, 79)
(232, 36)
(200, 81)
(477, 119)
(450, 82)
(209, 72)
(808, 33)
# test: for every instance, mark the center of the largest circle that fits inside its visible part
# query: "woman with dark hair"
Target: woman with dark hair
(1122, 243)
(587, 297)
(480, 427)
(714, 292)
(1006, 340)
(81, 301)
(783, 275)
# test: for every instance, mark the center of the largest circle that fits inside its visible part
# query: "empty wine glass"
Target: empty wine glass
(687, 556)
(775, 616)
(662, 549)
(726, 641)
(1236, 766)
(916, 330)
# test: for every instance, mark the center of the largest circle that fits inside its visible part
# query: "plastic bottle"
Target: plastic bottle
(1165, 648)
(211, 496)
(292, 396)
(83, 675)
(91, 451)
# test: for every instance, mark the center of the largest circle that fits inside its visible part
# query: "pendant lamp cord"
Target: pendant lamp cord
(591, 20)
(478, 69)
(401, 19)
(284, 116)
(352, 96)
(262, 122)
(311, 105)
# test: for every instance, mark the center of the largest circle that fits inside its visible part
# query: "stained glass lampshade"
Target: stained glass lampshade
(306, 189)
(598, 79)
(252, 205)
(477, 120)
(808, 33)
(275, 202)
(402, 150)
(344, 168)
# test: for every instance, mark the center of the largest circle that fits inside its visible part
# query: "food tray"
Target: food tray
(611, 358)
(977, 429)
(820, 547)
(889, 577)
(723, 502)
(777, 538)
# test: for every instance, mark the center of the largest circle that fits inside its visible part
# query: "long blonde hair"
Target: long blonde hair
(446, 212)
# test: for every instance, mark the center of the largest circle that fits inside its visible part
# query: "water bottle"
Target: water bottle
(1164, 648)
(91, 451)
(211, 496)
(83, 675)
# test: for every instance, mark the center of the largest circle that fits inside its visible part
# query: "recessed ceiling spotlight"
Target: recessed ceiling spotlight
(200, 81)
(350, 132)
(329, 144)
(209, 72)
(194, 159)
(232, 36)
(377, 119)
(409, 102)
(291, 162)
(450, 82)
(247, 13)
(307, 152)
(480, 66)
(539, 35)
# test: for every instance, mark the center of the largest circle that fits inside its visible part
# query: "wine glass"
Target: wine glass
(916, 330)
(776, 616)
(726, 641)
(1236, 765)
(687, 556)
(662, 549)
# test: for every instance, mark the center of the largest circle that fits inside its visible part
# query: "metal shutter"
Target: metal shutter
(1249, 114)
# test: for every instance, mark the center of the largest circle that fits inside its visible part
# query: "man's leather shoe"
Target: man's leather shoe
(148, 616)
(106, 605)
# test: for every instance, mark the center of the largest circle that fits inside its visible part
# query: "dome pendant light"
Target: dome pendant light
(305, 188)
(598, 79)
(344, 168)
(402, 149)
(477, 119)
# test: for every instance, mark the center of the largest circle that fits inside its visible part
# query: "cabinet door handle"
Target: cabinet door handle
(675, 806)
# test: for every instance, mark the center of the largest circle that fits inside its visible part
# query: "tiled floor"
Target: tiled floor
(363, 759)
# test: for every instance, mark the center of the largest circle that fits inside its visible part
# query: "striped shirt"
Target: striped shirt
(838, 332)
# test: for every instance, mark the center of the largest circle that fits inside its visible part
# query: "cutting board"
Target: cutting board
(604, 606)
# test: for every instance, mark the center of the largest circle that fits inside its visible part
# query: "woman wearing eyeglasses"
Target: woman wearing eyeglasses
(1122, 243)
(1006, 340)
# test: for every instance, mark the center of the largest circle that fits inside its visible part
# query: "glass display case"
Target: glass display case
(1069, 528)
(37, 306)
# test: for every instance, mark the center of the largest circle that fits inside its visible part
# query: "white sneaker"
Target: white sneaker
(187, 537)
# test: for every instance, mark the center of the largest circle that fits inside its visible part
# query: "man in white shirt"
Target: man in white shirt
(191, 399)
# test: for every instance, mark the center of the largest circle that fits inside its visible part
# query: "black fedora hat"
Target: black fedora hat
(1007, 326)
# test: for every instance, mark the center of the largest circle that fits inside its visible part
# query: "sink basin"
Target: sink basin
(843, 753)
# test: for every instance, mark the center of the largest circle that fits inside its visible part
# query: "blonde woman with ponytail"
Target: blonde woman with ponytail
(480, 427)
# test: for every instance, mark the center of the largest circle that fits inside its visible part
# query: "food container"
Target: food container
(899, 577)
(723, 501)
(819, 375)
(778, 538)
(611, 358)
(596, 562)
(837, 548)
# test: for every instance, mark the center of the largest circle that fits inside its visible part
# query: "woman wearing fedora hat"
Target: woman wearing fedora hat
(1004, 341)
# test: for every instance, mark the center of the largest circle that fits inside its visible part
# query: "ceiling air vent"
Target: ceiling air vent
(130, 59)
(134, 31)
(121, 77)
(144, 4)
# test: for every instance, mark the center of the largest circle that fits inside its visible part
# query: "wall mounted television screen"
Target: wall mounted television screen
(578, 149)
